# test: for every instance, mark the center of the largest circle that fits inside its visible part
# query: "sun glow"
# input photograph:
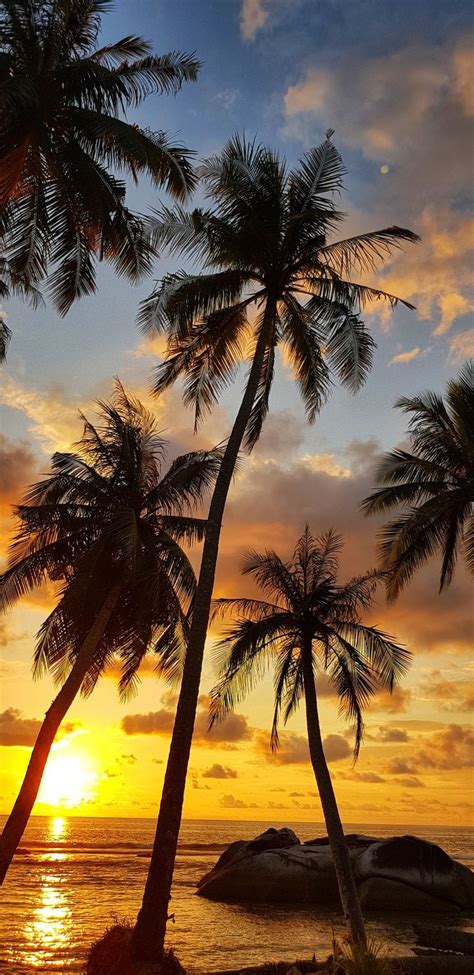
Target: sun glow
(68, 782)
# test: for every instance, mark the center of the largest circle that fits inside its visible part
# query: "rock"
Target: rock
(380, 894)
(402, 873)
(444, 939)
(273, 839)
(418, 865)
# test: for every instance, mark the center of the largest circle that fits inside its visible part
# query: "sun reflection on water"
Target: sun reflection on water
(57, 828)
(49, 929)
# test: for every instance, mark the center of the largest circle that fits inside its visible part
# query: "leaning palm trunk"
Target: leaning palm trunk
(20, 814)
(340, 853)
(149, 933)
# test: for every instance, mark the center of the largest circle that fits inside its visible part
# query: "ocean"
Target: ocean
(75, 876)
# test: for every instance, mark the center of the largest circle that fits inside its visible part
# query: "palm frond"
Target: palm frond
(432, 485)
(5, 336)
(303, 343)
(365, 252)
(349, 349)
(321, 171)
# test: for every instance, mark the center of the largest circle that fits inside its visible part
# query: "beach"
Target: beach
(74, 876)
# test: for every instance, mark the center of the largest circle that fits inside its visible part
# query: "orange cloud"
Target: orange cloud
(449, 749)
(18, 731)
(326, 463)
(437, 275)
(53, 418)
(449, 694)
(398, 104)
(452, 748)
(396, 702)
(17, 469)
(253, 16)
(227, 733)
(461, 346)
(218, 771)
(397, 107)
(293, 748)
(259, 516)
(405, 356)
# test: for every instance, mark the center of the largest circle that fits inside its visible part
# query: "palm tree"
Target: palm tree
(64, 137)
(107, 524)
(312, 625)
(272, 279)
(433, 484)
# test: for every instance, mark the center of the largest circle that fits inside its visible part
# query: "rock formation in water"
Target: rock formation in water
(402, 873)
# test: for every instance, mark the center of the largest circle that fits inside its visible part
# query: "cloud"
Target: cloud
(369, 777)
(282, 436)
(232, 729)
(54, 419)
(335, 748)
(399, 766)
(410, 782)
(226, 98)
(461, 346)
(259, 513)
(197, 785)
(16, 730)
(452, 306)
(405, 356)
(451, 748)
(17, 469)
(253, 16)
(217, 771)
(449, 694)
(437, 275)
(395, 702)
(292, 750)
(154, 723)
(326, 463)
(230, 802)
(389, 735)
(393, 108)
(408, 112)
(325, 686)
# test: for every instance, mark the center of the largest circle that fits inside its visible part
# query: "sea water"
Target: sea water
(74, 876)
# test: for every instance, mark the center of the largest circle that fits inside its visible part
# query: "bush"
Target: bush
(352, 960)
(110, 955)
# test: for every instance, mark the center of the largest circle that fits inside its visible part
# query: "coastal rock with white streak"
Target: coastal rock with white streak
(402, 873)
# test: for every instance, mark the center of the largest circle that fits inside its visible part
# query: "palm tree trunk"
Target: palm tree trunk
(20, 814)
(345, 878)
(149, 933)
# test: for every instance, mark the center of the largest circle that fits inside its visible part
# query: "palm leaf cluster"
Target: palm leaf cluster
(269, 263)
(309, 611)
(64, 141)
(109, 515)
(432, 484)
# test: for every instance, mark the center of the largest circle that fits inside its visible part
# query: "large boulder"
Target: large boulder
(402, 873)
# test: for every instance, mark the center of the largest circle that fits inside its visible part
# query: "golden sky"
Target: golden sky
(399, 93)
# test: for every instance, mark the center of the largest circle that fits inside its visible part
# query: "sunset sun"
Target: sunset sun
(68, 782)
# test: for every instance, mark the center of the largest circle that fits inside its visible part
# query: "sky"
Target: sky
(395, 82)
